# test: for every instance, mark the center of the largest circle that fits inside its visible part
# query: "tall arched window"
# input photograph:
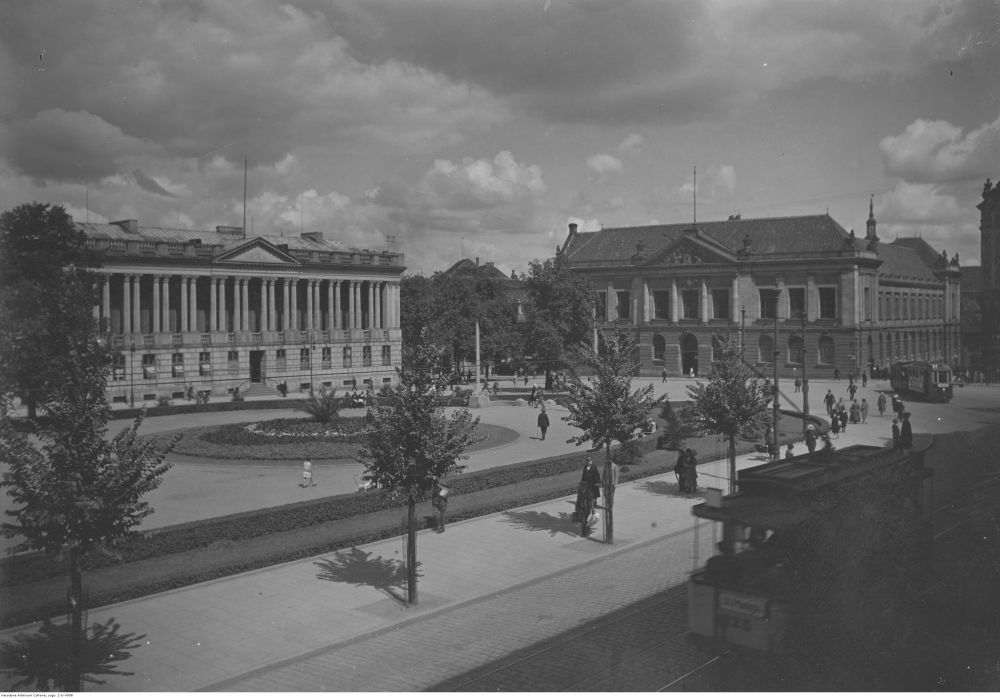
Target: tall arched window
(659, 348)
(795, 349)
(827, 350)
(765, 348)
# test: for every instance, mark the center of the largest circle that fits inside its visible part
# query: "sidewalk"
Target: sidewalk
(487, 586)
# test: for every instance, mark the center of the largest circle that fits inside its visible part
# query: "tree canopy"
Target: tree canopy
(47, 292)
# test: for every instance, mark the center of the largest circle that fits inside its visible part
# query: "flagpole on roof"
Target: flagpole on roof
(244, 198)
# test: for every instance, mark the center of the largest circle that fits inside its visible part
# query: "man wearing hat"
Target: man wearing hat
(811, 437)
(906, 432)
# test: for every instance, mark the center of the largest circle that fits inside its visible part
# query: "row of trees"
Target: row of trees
(558, 316)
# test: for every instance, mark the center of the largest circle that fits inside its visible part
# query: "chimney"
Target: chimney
(572, 228)
(130, 225)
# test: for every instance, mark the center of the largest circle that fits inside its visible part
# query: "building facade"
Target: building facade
(801, 289)
(214, 312)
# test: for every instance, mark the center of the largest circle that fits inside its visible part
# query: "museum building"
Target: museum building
(803, 285)
(214, 312)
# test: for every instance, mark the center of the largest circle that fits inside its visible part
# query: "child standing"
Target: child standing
(307, 475)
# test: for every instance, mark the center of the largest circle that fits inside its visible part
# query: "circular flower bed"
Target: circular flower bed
(288, 431)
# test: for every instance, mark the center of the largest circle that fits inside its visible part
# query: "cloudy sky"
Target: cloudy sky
(486, 126)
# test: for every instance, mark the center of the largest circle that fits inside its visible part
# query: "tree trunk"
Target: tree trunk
(75, 680)
(548, 379)
(609, 498)
(732, 464)
(411, 550)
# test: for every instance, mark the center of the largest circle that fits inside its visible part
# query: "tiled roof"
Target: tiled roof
(904, 262)
(793, 234)
(467, 266)
(226, 238)
(928, 254)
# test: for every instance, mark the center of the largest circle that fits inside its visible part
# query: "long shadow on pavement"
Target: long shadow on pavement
(542, 521)
(360, 568)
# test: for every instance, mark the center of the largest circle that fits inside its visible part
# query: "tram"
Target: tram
(928, 381)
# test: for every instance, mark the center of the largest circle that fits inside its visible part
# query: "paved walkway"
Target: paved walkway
(487, 587)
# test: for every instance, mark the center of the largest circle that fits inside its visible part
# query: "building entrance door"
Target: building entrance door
(256, 366)
(689, 355)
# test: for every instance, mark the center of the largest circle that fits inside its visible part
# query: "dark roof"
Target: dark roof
(793, 234)
(228, 238)
(904, 262)
(467, 266)
(928, 254)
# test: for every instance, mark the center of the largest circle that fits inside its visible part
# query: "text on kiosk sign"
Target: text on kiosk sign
(742, 604)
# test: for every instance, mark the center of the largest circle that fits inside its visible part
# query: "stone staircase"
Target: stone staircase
(259, 390)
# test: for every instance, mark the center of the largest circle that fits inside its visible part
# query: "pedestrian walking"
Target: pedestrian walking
(788, 451)
(896, 434)
(439, 500)
(881, 405)
(864, 411)
(811, 438)
(496, 389)
(842, 413)
(664, 376)
(307, 474)
(769, 443)
(906, 432)
(828, 399)
(680, 470)
(835, 426)
(691, 372)
(836, 374)
(855, 412)
(531, 397)
(798, 384)
(864, 379)
(543, 422)
(691, 470)
(852, 390)
(591, 478)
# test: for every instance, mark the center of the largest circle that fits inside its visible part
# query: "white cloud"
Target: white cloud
(714, 181)
(919, 204)
(937, 151)
(604, 164)
(629, 143)
(584, 225)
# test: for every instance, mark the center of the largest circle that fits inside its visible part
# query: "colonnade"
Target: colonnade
(235, 303)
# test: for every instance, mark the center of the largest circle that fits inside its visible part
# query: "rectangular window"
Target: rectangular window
(118, 368)
(768, 303)
(177, 365)
(601, 308)
(280, 357)
(366, 355)
(828, 303)
(347, 357)
(303, 358)
(204, 363)
(661, 305)
(720, 303)
(149, 366)
(796, 302)
(325, 358)
(233, 361)
(689, 299)
(386, 355)
(624, 300)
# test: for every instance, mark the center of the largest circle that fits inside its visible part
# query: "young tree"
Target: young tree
(559, 313)
(675, 430)
(73, 489)
(411, 443)
(733, 402)
(606, 409)
(47, 292)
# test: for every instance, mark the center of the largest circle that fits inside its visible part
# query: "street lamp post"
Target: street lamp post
(131, 374)
(777, 295)
(805, 379)
(312, 357)
(743, 322)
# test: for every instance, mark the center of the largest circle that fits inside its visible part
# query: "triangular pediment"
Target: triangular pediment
(690, 250)
(257, 251)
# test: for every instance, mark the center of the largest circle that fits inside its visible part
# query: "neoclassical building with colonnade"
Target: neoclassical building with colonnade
(215, 311)
(799, 288)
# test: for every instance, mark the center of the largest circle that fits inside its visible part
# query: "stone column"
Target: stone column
(157, 322)
(223, 315)
(185, 308)
(309, 304)
(194, 304)
(735, 305)
(293, 308)
(338, 320)
(126, 304)
(317, 321)
(136, 303)
(351, 290)
(674, 301)
(106, 299)
(286, 304)
(245, 304)
(371, 305)
(213, 301)
(611, 311)
(272, 310)
(812, 300)
(703, 297)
